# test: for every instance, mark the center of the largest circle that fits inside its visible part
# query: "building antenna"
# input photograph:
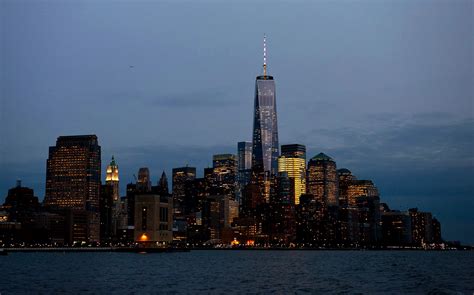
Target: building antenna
(264, 56)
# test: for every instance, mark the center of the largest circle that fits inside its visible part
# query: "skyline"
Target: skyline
(401, 130)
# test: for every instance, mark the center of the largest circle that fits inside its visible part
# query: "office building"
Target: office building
(422, 226)
(322, 180)
(293, 162)
(345, 179)
(396, 228)
(153, 219)
(265, 132)
(73, 181)
(144, 180)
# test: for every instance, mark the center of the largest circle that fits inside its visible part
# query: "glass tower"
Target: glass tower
(265, 130)
(293, 162)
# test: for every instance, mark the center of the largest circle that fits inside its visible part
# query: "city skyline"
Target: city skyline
(416, 136)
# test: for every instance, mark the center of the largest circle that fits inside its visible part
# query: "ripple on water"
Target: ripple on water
(235, 272)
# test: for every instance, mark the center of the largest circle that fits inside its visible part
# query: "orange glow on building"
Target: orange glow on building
(235, 242)
(250, 243)
(143, 237)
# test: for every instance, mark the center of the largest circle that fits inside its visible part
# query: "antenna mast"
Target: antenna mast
(264, 56)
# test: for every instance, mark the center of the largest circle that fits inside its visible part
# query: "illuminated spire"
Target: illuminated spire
(264, 55)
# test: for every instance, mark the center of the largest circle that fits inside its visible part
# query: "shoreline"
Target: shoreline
(172, 250)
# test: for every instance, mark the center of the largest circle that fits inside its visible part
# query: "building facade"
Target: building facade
(293, 162)
(73, 172)
(153, 219)
(322, 180)
(244, 167)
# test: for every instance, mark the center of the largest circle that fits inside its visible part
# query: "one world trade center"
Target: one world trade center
(265, 131)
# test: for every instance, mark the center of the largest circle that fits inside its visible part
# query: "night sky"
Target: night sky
(383, 87)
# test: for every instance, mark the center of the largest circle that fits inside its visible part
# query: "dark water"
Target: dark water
(281, 272)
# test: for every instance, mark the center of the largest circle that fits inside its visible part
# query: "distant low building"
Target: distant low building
(153, 219)
(396, 228)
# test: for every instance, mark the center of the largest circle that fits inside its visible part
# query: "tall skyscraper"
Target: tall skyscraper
(244, 164)
(183, 178)
(112, 179)
(73, 179)
(225, 174)
(112, 184)
(322, 179)
(293, 161)
(244, 154)
(265, 131)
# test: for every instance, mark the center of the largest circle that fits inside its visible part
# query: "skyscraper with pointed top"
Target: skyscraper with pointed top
(265, 131)
(163, 185)
(112, 179)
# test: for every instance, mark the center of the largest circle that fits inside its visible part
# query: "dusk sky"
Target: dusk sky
(383, 87)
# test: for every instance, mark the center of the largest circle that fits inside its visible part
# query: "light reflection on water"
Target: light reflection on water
(239, 272)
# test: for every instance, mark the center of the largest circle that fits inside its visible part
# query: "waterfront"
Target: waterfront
(283, 272)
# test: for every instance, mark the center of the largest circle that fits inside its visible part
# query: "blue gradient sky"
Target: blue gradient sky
(384, 87)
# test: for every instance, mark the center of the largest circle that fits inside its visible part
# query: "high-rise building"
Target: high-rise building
(345, 179)
(183, 178)
(244, 173)
(112, 181)
(265, 131)
(106, 212)
(244, 155)
(163, 185)
(112, 178)
(73, 179)
(369, 218)
(422, 226)
(282, 227)
(293, 161)
(144, 180)
(225, 174)
(322, 181)
(360, 188)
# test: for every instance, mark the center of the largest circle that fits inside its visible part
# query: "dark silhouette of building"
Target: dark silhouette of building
(244, 167)
(396, 228)
(144, 180)
(130, 197)
(282, 226)
(422, 226)
(73, 183)
(163, 185)
(106, 213)
(182, 180)
(369, 220)
(437, 238)
(20, 203)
